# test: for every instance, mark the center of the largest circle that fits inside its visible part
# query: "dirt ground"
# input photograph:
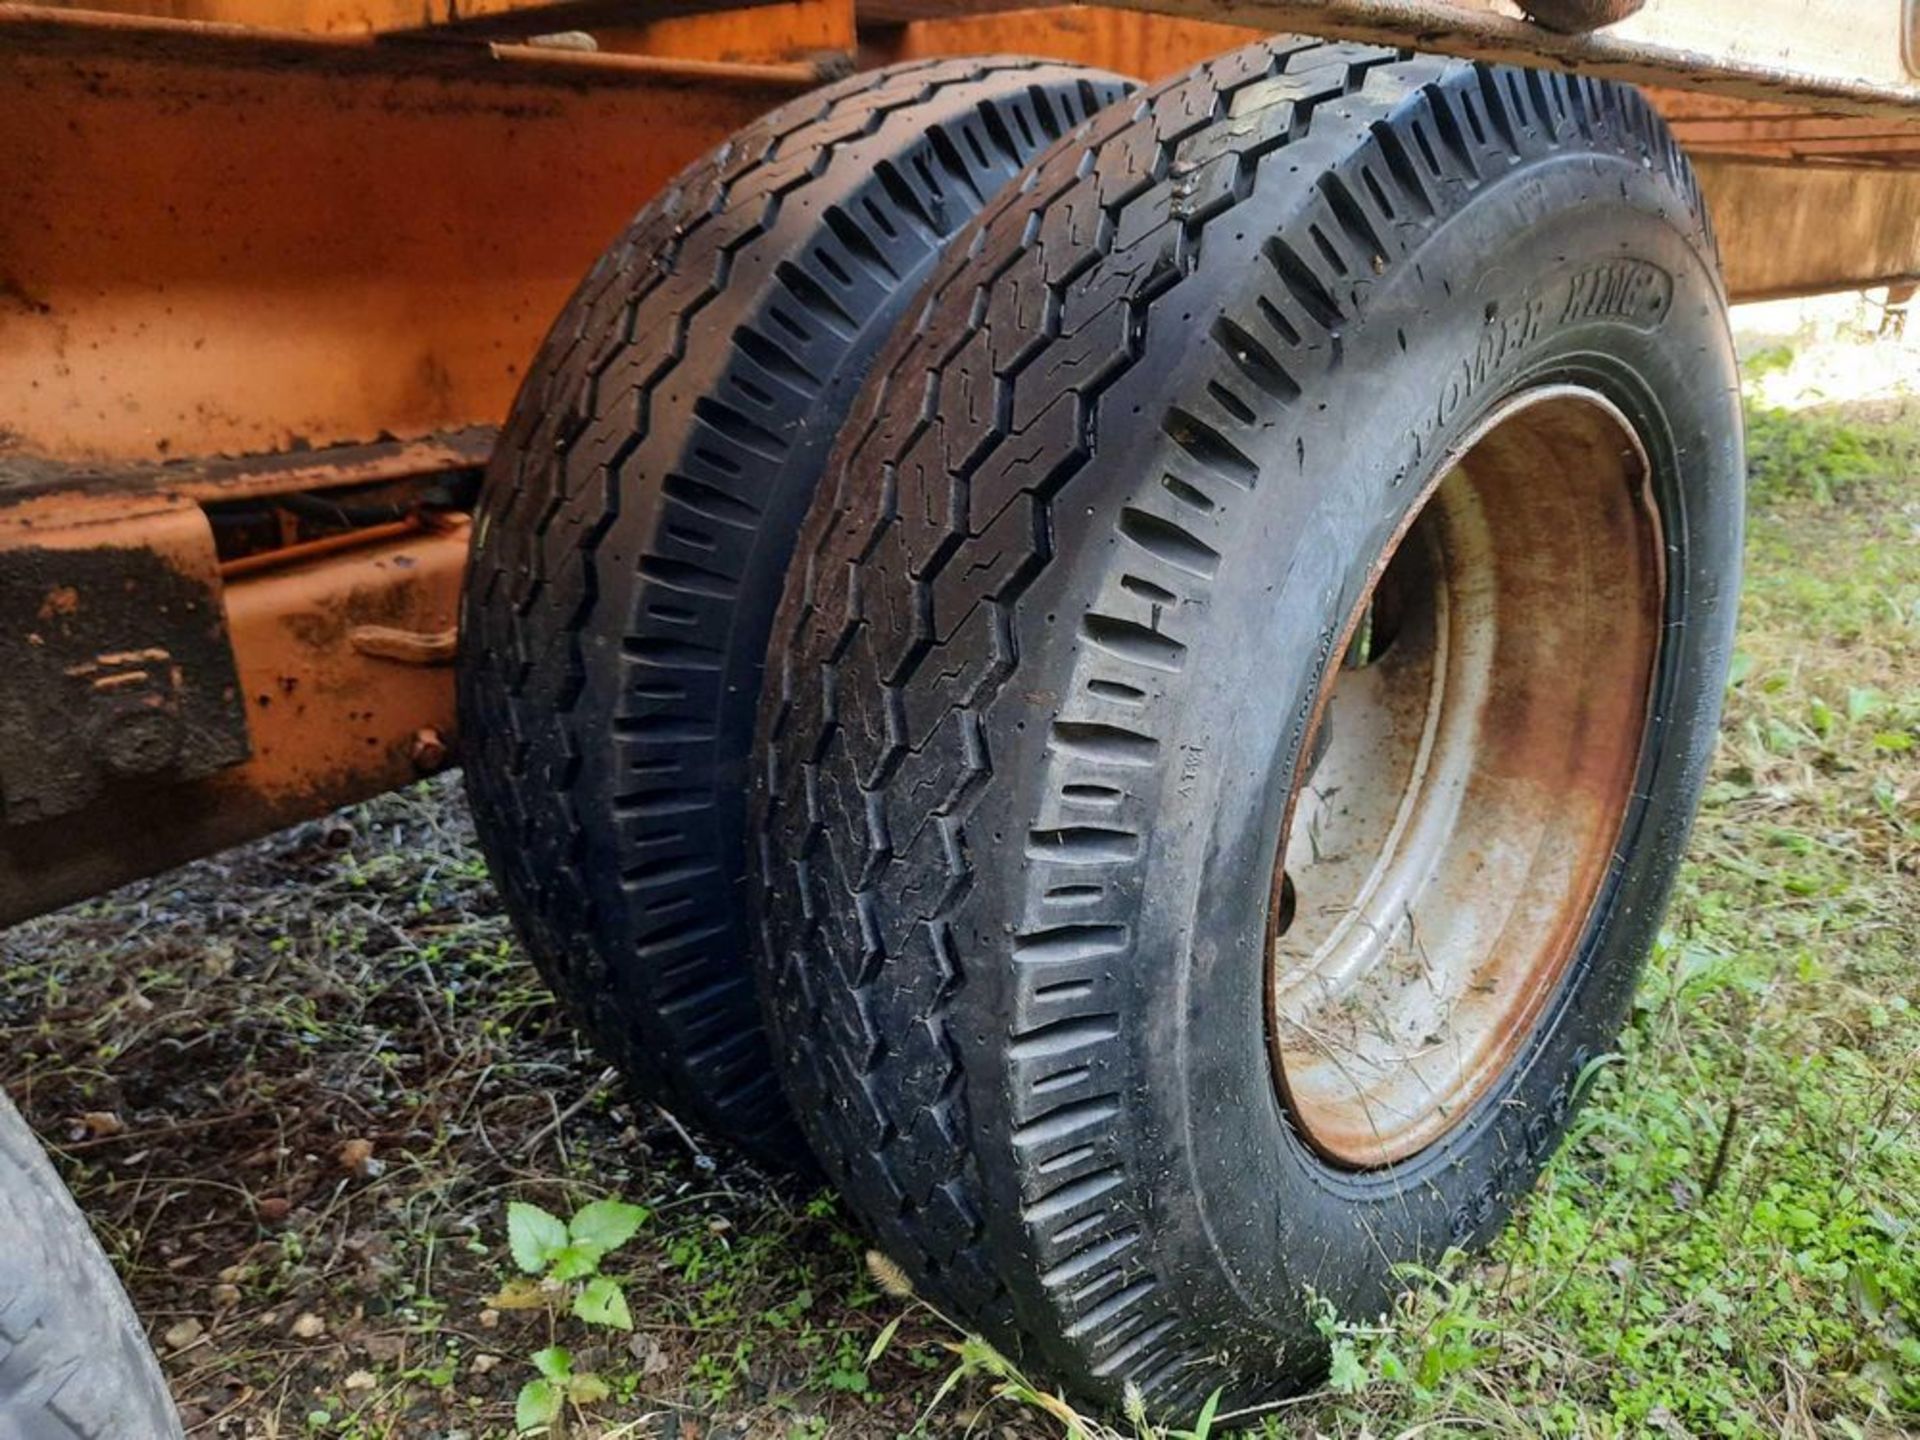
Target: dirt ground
(295, 1087)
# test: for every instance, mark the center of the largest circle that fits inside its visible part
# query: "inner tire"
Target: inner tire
(74, 1362)
(1055, 676)
(635, 526)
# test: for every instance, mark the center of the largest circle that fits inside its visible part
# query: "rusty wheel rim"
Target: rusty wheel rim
(1465, 778)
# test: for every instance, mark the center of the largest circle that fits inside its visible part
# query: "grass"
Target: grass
(1729, 1244)
(296, 1086)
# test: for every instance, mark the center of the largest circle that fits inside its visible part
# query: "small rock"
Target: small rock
(489, 1319)
(359, 1380)
(101, 1123)
(273, 1208)
(308, 1326)
(647, 1351)
(384, 1349)
(225, 1297)
(483, 1363)
(183, 1333)
(356, 1156)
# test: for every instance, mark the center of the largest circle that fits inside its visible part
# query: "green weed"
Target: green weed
(1820, 456)
(559, 1262)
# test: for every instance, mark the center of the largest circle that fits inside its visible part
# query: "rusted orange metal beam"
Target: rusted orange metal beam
(161, 693)
(783, 30)
(1128, 42)
(1822, 139)
(360, 17)
(214, 480)
(222, 242)
(341, 668)
(303, 551)
(1723, 124)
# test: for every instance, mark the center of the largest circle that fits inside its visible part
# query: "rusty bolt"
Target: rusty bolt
(1574, 17)
(429, 750)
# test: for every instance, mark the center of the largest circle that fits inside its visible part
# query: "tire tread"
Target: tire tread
(898, 626)
(600, 634)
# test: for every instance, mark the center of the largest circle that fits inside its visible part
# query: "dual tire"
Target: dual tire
(74, 1362)
(635, 527)
(1231, 716)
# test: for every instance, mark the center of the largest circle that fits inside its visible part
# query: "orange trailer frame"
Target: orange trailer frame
(270, 271)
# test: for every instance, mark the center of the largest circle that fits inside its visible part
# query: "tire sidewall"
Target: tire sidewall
(1248, 1222)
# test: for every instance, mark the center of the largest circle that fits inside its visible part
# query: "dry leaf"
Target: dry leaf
(522, 1292)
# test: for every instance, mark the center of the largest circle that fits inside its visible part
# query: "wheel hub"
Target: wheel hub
(1465, 779)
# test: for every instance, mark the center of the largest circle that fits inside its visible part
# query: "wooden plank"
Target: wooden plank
(1806, 132)
(1876, 152)
(1784, 230)
(1844, 54)
(1803, 229)
(1152, 46)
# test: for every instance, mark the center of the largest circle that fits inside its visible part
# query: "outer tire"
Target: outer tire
(635, 527)
(74, 1362)
(1044, 667)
